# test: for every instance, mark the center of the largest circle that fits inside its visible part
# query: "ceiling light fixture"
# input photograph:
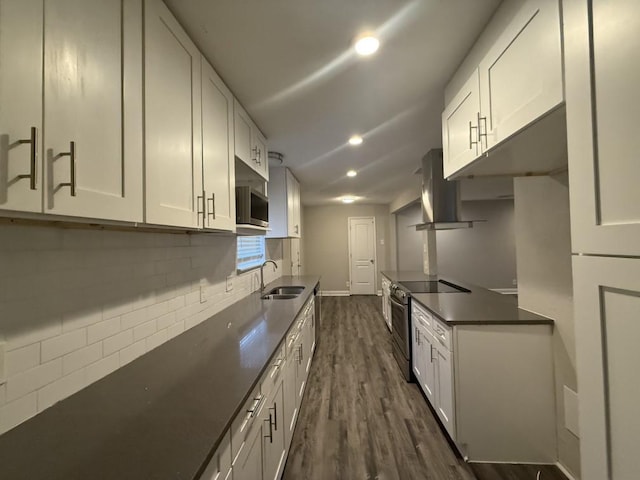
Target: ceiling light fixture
(352, 173)
(366, 45)
(355, 140)
(348, 199)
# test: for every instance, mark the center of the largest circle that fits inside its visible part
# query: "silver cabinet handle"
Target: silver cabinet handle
(212, 211)
(275, 416)
(33, 157)
(254, 407)
(417, 336)
(471, 141)
(258, 155)
(431, 352)
(72, 165)
(270, 436)
(201, 202)
(480, 134)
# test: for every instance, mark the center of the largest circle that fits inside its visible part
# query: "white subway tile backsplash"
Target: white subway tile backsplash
(33, 379)
(22, 359)
(117, 342)
(62, 388)
(76, 305)
(81, 358)
(102, 368)
(145, 330)
(65, 343)
(130, 353)
(156, 339)
(103, 329)
(16, 412)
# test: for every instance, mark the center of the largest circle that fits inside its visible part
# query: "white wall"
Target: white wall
(543, 245)
(75, 305)
(484, 255)
(326, 242)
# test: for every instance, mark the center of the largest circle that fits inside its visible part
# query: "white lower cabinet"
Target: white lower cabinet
(261, 434)
(219, 467)
(491, 386)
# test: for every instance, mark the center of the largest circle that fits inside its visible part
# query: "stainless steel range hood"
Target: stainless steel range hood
(440, 198)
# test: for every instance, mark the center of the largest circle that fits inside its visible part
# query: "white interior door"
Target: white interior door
(362, 253)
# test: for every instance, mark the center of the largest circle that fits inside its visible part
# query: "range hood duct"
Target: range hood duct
(440, 198)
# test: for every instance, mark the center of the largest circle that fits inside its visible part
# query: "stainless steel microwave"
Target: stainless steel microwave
(252, 207)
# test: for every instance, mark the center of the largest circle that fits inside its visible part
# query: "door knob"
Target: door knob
(371, 260)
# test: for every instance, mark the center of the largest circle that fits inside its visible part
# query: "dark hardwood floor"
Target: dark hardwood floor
(360, 420)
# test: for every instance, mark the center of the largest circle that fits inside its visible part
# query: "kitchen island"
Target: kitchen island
(486, 368)
(165, 414)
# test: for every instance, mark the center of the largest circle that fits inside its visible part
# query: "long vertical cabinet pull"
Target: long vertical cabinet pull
(201, 202)
(275, 416)
(471, 141)
(72, 165)
(480, 134)
(212, 210)
(270, 436)
(33, 157)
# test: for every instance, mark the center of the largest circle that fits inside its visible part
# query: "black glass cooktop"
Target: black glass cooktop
(439, 286)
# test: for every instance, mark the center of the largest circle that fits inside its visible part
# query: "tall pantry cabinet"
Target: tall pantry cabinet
(601, 42)
(78, 64)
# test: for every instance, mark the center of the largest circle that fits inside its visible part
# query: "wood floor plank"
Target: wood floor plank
(360, 419)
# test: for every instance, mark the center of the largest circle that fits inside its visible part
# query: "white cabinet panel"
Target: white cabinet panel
(284, 204)
(259, 153)
(604, 146)
(92, 100)
(20, 104)
(242, 134)
(460, 140)
(428, 359)
(172, 120)
(274, 428)
(444, 391)
(521, 75)
(248, 465)
(217, 151)
(607, 306)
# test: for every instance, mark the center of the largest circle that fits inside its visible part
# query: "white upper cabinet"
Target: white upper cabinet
(20, 105)
(93, 109)
(217, 151)
(250, 144)
(284, 204)
(521, 75)
(505, 118)
(173, 157)
(460, 120)
(85, 159)
(602, 118)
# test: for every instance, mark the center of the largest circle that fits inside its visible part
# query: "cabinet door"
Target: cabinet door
(259, 153)
(217, 151)
(248, 465)
(20, 104)
(173, 159)
(521, 75)
(607, 306)
(444, 389)
(242, 134)
(274, 435)
(220, 464)
(93, 108)
(290, 396)
(297, 227)
(416, 352)
(428, 359)
(460, 140)
(603, 140)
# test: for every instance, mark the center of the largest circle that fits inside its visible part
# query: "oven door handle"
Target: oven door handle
(393, 300)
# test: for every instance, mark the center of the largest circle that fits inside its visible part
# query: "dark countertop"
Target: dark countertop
(479, 307)
(163, 415)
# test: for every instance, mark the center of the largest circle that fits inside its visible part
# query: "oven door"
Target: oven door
(400, 325)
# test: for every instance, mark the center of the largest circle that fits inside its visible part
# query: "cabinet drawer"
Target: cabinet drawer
(271, 376)
(247, 416)
(422, 317)
(442, 333)
(220, 464)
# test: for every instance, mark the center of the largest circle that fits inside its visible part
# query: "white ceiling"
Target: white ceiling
(290, 63)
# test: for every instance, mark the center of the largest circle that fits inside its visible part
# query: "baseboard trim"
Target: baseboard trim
(335, 293)
(565, 472)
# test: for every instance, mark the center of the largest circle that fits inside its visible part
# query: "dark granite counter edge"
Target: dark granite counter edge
(275, 283)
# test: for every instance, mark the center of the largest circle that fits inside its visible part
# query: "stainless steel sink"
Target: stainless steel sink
(279, 296)
(294, 290)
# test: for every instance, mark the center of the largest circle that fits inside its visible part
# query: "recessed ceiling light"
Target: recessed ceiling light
(366, 45)
(355, 140)
(352, 173)
(348, 200)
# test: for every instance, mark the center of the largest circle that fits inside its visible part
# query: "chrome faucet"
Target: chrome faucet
(262, 273)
